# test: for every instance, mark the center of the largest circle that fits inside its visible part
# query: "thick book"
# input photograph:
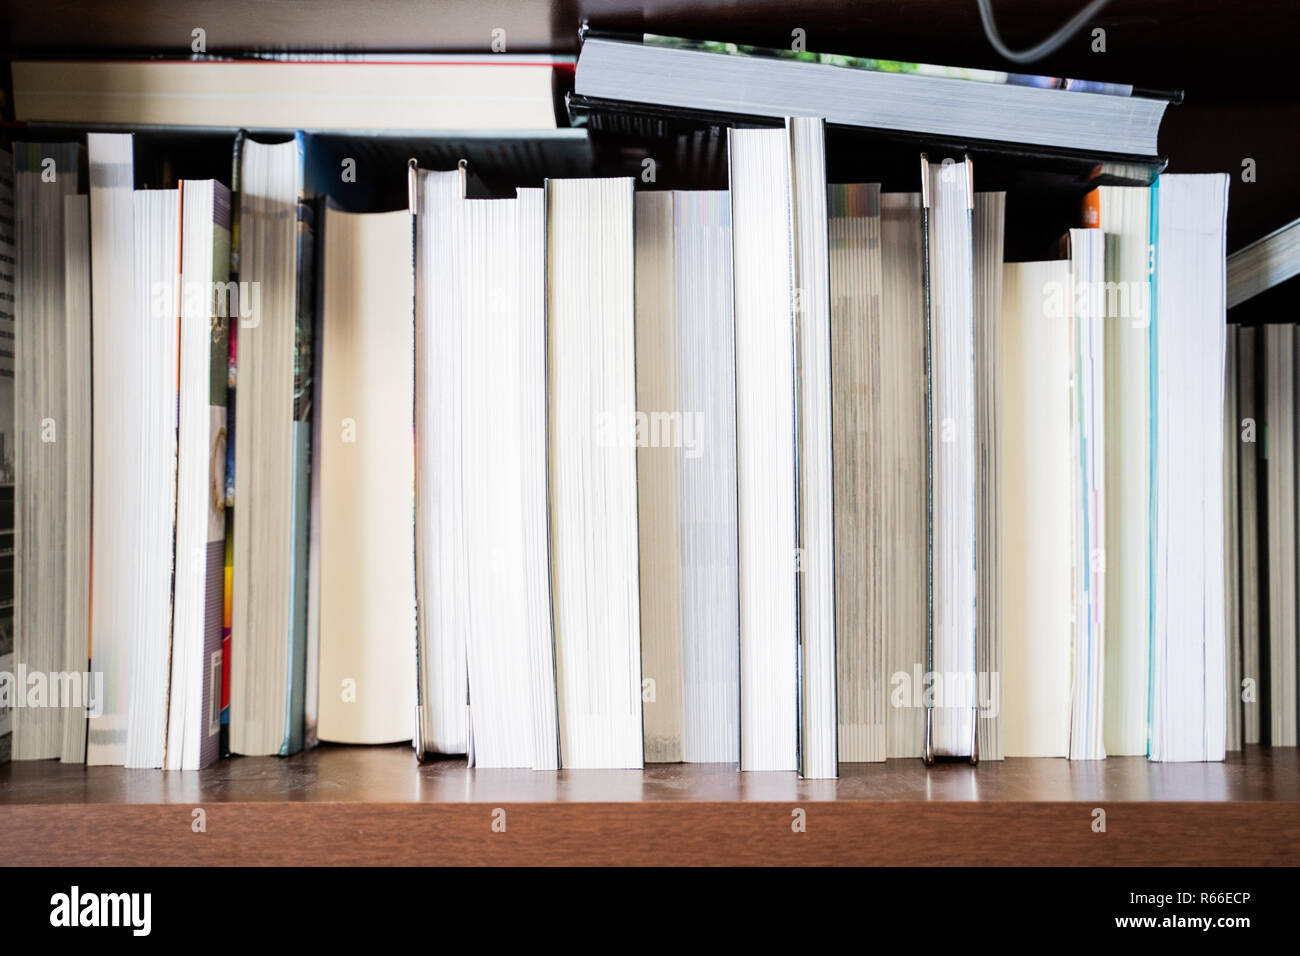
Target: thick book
(948, 201)
(724, 79)
(862, 459)
(287, 92)
(903, 475)
(1188, 631)
(366, 465)
(41, 443)
(268, 651)
(686, 477)
(483, 575)
(206, 301)
(591, 395)
(784, 449)
(1123, 215)
(1036, 451)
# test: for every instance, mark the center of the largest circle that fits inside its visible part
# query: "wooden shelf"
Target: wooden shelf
(356, 806)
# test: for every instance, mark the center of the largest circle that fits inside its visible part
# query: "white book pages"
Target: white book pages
(1125, 221)
(902, 348)
(1088, 305)
(77, 433)
(367, 537)
(706, 383)
(814, 454)
(591, 389)
(988, 223)
(686, 477)
(860, 476)
(269, 459)
(1187, 707)
(765, 447)
(116, 502)
(441, 581)
(952, 451)
(1036, 456)
(154, 334)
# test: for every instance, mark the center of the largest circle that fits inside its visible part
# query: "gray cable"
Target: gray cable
(1048, 46)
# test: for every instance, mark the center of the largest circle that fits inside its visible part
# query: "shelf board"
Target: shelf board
(373, 805)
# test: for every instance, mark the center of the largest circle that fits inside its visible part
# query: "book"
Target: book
(44, 174)
(117, 501)
(1123, 214)
(1264, 263)
(952, 573)
(903, 470)
(591, 391)
(1279, 367)
(1036, 352)
(206, 298)
(1249, 441)
(861, 473)
(480, 313)
(151, 421)
(681, 75)
(1087, 312)
(1187, 646)
(268, 653)
(366, 465)
(77, 433)
(1232, 544)
(686, 477)
(293, 92)
(441, 578)
(988, 222)
(7, 436)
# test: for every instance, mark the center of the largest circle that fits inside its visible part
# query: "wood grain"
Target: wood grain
(356, 806)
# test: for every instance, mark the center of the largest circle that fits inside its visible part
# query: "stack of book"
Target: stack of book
(593, 472)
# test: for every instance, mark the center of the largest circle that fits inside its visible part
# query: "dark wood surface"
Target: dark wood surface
(391, 775)
(357, 806)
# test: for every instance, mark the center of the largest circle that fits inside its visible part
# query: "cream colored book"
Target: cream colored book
(392, 93)
(1036, 456)
(367, 537)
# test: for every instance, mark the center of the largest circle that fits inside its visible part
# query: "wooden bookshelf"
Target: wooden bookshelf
(354, 806)
(375, 805)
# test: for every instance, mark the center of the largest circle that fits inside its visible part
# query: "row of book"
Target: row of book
(784, 475)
